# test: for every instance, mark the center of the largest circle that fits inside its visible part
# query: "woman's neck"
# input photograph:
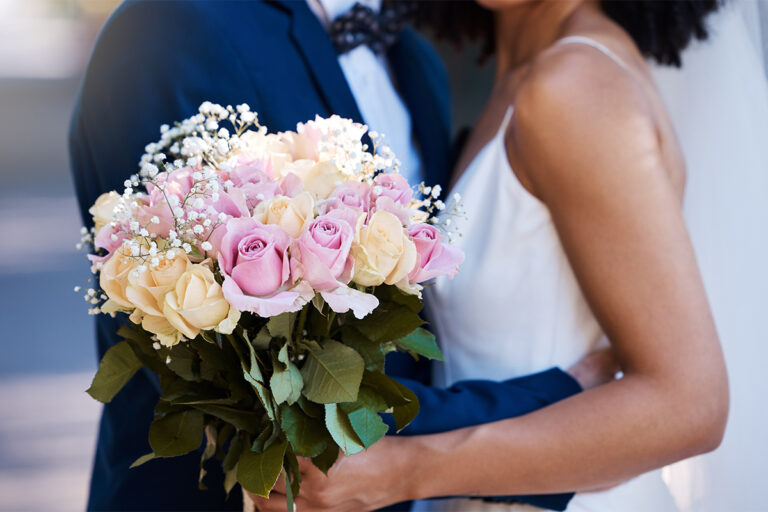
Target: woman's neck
(525, 30)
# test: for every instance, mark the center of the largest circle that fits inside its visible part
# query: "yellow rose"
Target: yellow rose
(319, 178)
(197, 304)
(103, 209)
(383, 251)
(146, 290)
(114, 280)
(291, 214)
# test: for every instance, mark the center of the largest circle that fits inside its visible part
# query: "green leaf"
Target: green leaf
(230, 479)
(183, 363)
(341, 430)
(294, 475)
(368, 398)
(311, 409)
(389, 389)
(389, 322)
(372, 352)
(262, 339)
(258, 472)
(176, 433)
(325, 460)
(266, 438)
(368, 426)
(144, 458)
(423, 343)
(332, 374)
(236, 447)
(286, 385)
(390, 293)
(241, 419)
(254, 376)
(115, 369)
(281, 325)
(307, 435)
(404, 414)
(211, 433)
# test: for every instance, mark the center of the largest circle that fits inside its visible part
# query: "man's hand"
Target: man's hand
(595, 369)
(366, 481)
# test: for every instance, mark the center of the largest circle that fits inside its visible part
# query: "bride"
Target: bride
(572, 183)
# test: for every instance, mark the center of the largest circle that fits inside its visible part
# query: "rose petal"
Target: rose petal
(344, 298)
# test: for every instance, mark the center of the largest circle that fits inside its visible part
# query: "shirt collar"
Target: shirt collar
(328, 10)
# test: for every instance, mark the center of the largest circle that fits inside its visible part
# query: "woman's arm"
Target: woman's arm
(585, 135)
(585, 139)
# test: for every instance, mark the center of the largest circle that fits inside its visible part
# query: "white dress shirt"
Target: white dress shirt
(371, 84)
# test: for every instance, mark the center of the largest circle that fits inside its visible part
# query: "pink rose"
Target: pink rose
(175, 183)
(353, 196)
(322, 253)
(245, 168)
(254, 261)
(387, 204)
(393, 186)
(157, 207)
(291, 185)
(255, 180)
(103, 240)
(434, 258)
(321, 258)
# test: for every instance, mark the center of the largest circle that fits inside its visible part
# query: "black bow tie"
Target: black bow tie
(362, 25)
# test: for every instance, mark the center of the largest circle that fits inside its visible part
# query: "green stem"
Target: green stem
(302, 321)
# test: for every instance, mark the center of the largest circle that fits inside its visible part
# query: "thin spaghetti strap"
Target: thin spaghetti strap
(505, 121)
(594, 44)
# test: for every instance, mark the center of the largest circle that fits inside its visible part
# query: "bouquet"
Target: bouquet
(266, 276)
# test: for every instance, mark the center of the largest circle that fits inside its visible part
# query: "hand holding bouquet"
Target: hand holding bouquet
(267, 276)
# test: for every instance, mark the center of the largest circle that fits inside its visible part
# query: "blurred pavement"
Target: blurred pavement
(47, 422)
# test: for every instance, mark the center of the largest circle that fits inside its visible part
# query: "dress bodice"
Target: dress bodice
(515, 307)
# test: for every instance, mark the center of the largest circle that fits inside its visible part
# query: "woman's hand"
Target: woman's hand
(368, 480)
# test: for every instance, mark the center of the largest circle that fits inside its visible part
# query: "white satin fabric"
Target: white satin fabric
(718, 102)
(516, 308)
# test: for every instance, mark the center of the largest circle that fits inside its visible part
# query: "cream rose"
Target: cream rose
(291, 214)
(114, 280)
(104, 208)
(383, 251)
(258, 144)
(319, 179)
(166, 333)
(197, 304)
(146, 290)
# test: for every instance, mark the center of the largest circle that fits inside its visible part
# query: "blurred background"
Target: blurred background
(48, 424)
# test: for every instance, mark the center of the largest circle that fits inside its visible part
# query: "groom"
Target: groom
(154, 63)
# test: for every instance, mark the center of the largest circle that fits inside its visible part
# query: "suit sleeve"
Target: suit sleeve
(475, 402)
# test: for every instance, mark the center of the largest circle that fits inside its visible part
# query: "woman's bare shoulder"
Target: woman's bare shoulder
(578, 111)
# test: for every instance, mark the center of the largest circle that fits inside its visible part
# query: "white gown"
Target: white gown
(515, 308)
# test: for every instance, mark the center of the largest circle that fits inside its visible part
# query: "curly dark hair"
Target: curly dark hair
(660, 28)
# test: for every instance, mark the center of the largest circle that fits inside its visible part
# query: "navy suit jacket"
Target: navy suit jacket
(154, 63)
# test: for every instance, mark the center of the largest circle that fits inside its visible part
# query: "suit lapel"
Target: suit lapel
(320, 57)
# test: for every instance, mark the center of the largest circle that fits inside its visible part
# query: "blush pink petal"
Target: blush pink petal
(281, 302)
(387, 204)
(291, 185)
(344, 298)
(261, 277)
